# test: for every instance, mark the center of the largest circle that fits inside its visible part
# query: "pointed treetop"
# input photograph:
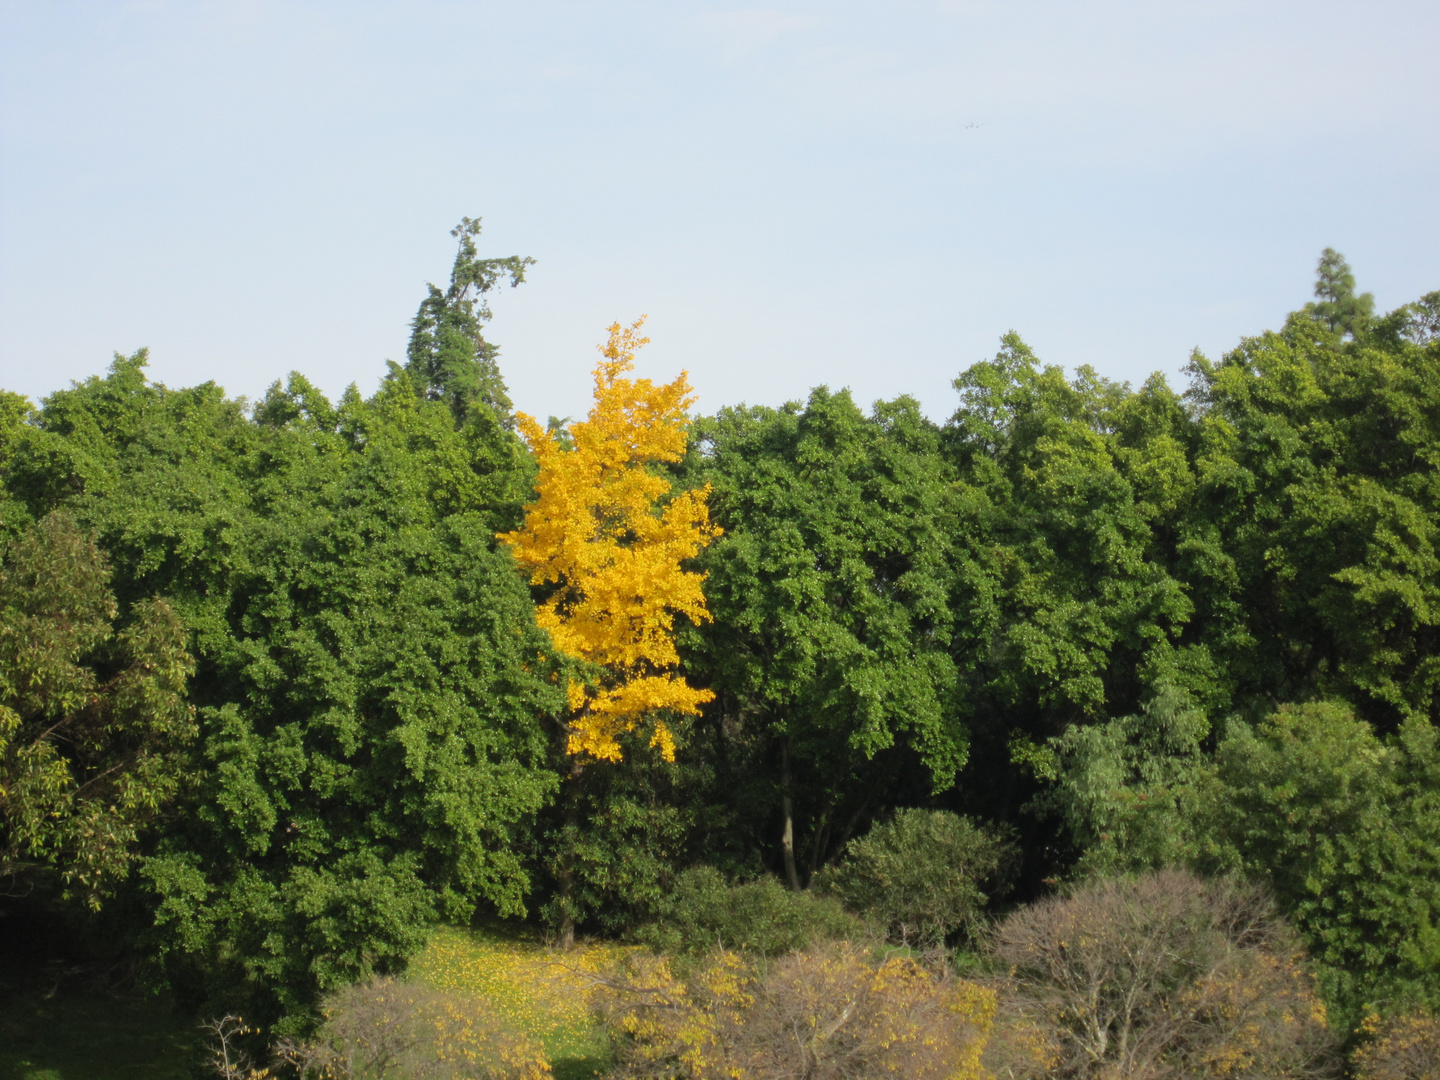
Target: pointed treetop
(448, 357)
(1336, 304)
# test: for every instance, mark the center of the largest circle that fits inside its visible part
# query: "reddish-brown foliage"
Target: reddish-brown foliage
(1157, 977)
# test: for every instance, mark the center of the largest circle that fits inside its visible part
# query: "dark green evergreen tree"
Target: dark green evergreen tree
(448, 358)
(1337, 305)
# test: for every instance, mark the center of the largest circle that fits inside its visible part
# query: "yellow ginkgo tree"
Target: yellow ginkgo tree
(611, 538)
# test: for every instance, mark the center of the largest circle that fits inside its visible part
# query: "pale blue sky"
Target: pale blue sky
(862, 194)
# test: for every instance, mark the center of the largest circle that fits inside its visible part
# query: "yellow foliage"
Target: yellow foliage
(1402, 1048)
(1248, 1008)
(823, 1014)
(384, 1027)
(598, 533)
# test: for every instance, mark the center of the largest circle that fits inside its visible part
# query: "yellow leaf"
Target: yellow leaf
(604, 533)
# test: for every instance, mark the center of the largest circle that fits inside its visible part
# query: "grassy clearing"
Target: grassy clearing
(529, 984)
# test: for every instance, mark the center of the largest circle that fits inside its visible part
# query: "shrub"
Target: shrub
(228, 1057)
(384, 1028)
(825, 1013)
(761, 917)
(918, 875)
(1344, 828)
(1405, 1048)
(1159, 976)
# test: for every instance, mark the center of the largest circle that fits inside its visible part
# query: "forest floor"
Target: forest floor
(68, 1014)
(83, 1034)
(59, 1022)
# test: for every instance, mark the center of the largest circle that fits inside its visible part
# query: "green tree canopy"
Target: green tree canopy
(829, 594)
(1318, 463)
(1135, 626)
(372, 688)
(94, 725)
(1344, 827)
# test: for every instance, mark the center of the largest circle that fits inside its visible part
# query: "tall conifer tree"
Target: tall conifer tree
(448, 357)
(1336, 303)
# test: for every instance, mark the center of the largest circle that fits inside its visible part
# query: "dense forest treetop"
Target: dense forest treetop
(1124, 627)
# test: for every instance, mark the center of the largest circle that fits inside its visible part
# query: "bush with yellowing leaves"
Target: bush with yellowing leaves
(1403, 1048)
(824, 1013)
(1159, 976)
(385, 1028)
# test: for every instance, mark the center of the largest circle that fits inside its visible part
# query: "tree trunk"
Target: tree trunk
(787, 837)
(822, 838)
(567, 918)
(565, 872)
